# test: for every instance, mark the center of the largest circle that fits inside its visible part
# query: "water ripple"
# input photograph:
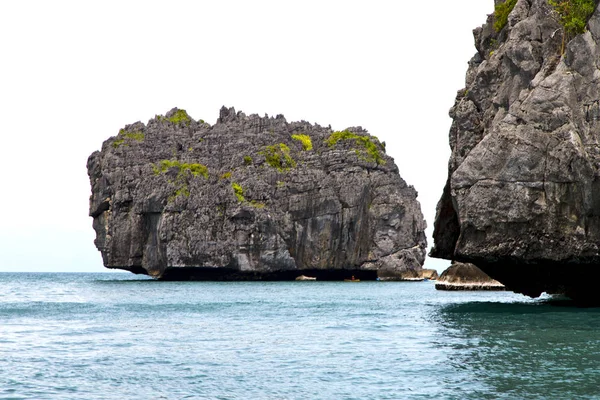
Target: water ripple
(114, 336)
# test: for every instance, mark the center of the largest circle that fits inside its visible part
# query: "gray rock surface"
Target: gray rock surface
(522, 200)
(242, 199)
(430, 274)
(466, 276)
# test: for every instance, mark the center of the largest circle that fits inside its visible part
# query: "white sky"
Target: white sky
(72, 73)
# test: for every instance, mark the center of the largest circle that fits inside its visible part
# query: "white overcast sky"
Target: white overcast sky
(72, 73)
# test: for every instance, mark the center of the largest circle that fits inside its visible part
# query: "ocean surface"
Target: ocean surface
(119, 336)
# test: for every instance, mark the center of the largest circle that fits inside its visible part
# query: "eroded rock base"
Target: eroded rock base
(467, 287)
(225, 274)
(574, 280)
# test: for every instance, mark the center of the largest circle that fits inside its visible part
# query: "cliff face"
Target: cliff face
(251, 198)
(522, 200)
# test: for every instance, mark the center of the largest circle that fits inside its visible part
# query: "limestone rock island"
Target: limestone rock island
(252, 198)
(522, 200)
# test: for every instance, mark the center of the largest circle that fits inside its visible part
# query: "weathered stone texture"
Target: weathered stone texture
(523, 194)
(331, 208)
(466, 276)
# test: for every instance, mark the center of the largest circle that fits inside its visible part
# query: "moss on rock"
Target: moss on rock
(305, 140)
(278, 156)
(369, 150)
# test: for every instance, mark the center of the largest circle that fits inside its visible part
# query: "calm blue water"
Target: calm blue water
(115, 336)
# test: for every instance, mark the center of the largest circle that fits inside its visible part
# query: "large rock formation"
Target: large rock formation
(522, 199)
(252, 198)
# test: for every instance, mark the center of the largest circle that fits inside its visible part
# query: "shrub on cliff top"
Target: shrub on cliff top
(501, 12)
(367, 144)
(138, 136)
(180, 116)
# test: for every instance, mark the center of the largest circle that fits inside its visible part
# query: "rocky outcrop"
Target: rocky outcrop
(466, 276)
(412, 275)
(252, 198)
(430, 274)
(522, 200)
(305, 278)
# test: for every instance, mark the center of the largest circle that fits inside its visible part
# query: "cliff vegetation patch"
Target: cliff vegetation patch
(195, 168)
(238, 191)
(138, 136)
(257, 204)
(305, 140)
(369, 149)
(278, 156)
(181, 180)
(573, 15)
(501, 12)
(180, 116)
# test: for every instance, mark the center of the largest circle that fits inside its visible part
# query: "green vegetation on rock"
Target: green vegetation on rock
(305, 140)
(238, 191)
(368, 146)
(501, 12)
(247, 160)
(278, 156)
(181, 180)
(340, 135)
(257, 204)
(195, 168)
(179, 117)
(183, 190)
(226, 175)
(138, 136)
(573, 15)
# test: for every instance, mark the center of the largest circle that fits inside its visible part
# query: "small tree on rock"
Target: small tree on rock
(573, 16)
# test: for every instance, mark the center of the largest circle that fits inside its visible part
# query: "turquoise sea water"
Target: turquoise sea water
(116, 336)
